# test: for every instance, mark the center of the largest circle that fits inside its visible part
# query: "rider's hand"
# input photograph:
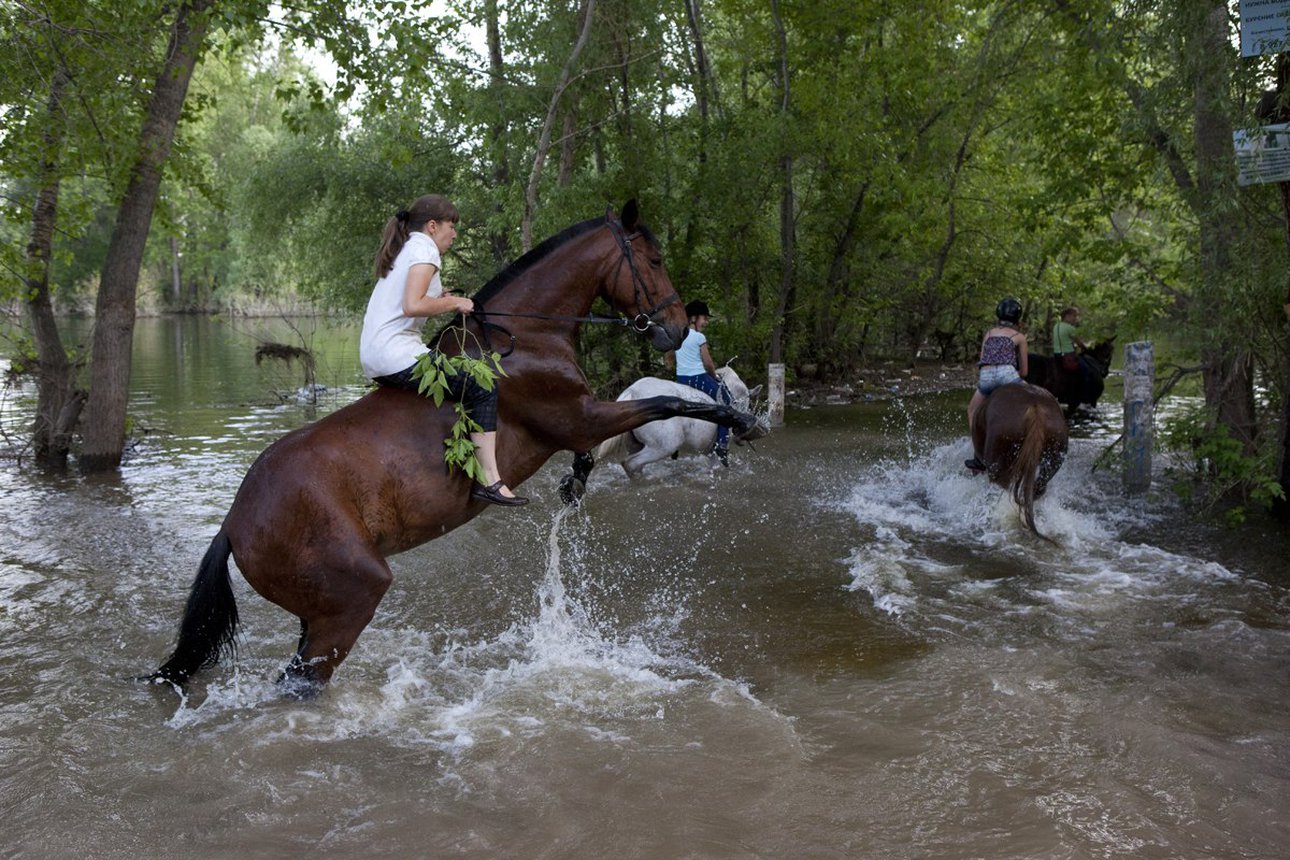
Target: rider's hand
(464, 305)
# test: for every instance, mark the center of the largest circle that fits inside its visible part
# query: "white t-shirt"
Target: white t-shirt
(689, 358)
(391, 340)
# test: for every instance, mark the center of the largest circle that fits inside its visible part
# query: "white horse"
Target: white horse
(670, 437)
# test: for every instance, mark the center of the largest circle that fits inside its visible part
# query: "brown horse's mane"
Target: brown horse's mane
(508, 275)
(544, 248)
(525, 262)
(503, 278)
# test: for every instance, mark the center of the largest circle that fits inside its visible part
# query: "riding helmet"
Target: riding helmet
(697, 308)
(1009, 310)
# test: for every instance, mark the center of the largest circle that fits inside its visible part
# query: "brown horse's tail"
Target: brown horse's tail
(1025, 469)
(209, 625)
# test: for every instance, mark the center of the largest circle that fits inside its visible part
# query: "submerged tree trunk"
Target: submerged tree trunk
(58, 402)
(104, 432)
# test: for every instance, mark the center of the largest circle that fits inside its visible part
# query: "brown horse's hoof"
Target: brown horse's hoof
(493, 495)
(572, 489)
(759, 428)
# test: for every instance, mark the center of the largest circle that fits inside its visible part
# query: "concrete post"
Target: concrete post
(775, 393)
(1139, 374)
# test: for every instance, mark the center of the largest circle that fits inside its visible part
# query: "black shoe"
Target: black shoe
(493, 495)
(723, 456)
(975, 465)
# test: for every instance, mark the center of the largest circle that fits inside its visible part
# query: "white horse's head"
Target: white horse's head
(739, 392)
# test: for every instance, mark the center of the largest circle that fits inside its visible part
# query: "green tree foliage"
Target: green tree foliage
(844, 181)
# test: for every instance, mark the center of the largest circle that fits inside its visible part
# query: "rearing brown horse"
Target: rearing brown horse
(321, 509)
(1022, 436)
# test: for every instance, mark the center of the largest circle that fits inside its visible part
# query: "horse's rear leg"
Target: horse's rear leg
(340, 609)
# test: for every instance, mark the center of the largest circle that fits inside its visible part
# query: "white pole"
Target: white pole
(1139, 374)
(775, 393)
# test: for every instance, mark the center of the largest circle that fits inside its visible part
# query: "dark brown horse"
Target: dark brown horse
(1074, 387)
(321, 509)
(1021, 434)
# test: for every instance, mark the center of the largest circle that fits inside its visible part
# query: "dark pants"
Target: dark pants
(479, 401)
(708, 384)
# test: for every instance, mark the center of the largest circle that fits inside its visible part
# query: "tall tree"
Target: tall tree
(105, 414)
(586, 16)
(58, 401)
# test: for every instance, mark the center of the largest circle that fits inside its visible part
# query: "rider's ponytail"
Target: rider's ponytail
(427, 208)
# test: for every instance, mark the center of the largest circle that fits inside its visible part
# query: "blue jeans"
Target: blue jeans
(708, 384)
(995, 375)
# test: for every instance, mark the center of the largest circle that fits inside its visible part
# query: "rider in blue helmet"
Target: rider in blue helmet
(1004, 359)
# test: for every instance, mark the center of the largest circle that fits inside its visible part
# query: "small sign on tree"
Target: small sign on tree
(1262, 154)
(1265, 27)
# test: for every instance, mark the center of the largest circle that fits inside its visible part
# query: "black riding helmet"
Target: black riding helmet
(1009, 310)
(697, 308)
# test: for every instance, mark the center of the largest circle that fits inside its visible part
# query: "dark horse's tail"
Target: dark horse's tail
(209, 626)
(1024, 475)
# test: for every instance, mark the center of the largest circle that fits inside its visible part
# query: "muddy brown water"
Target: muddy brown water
(842, 646)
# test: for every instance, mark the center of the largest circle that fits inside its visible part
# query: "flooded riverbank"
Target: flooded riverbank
(842, 646)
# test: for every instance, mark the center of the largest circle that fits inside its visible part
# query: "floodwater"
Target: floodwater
(842, 646)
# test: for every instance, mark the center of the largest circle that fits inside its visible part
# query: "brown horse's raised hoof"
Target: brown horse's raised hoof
(572, 489)
(759, 428)
(493, 495)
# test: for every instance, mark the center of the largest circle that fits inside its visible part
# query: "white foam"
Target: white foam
(907, 511)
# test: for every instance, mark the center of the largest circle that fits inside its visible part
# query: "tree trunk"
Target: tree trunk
(544, 139)
(1281, 507)
(497, 135)
(787, 228)
(104, 433)
(1228, 374)
(176, 282)
(705, 88)
(568, 150)
(58, 403)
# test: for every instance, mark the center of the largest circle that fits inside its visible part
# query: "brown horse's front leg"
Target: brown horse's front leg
(603, 419)
(574, 484)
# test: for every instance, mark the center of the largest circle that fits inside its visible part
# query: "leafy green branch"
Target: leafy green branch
(435, 371)
(1220, 472)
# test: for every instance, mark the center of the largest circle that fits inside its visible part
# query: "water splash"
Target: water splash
(937, 544)
(555, 672)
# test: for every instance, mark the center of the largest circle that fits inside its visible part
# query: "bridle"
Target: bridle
(641, 323)
(645, 319)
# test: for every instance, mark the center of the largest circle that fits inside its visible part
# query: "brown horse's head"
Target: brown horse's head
(639, 285)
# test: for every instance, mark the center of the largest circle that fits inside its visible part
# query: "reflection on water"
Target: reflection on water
(842, 646)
